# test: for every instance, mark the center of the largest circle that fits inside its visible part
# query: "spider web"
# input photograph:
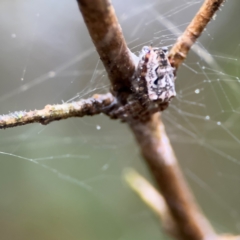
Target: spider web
(64, 180)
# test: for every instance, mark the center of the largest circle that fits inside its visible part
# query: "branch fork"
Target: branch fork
(187, 220)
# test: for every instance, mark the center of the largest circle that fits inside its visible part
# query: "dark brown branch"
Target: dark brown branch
(157, 203)
(158, 153)
(108, 39)
(106, 35)
(181, 48)
(92, 106)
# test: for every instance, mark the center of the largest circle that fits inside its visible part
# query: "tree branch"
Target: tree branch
(108, 39)
(92, 106)
(181, 48)
(157, 203)
(158, 153)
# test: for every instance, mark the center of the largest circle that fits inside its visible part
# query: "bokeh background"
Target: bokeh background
(76, 189)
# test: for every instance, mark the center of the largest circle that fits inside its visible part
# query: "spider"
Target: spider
(152, 86)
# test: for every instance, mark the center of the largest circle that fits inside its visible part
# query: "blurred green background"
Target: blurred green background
(76, 190)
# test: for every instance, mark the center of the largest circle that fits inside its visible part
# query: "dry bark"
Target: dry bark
(184, 43)
(108, 39)
(157, 151)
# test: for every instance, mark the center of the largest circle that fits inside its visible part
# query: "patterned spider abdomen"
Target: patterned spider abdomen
(155, 69)
(152, 87)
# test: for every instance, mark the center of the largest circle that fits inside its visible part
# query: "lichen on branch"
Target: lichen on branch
(85, 107)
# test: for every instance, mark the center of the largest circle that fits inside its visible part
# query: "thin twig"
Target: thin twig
(153, 199)
(92, 106)
(229, 237)
(181, 48)
(158, 153)
(147, 192)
